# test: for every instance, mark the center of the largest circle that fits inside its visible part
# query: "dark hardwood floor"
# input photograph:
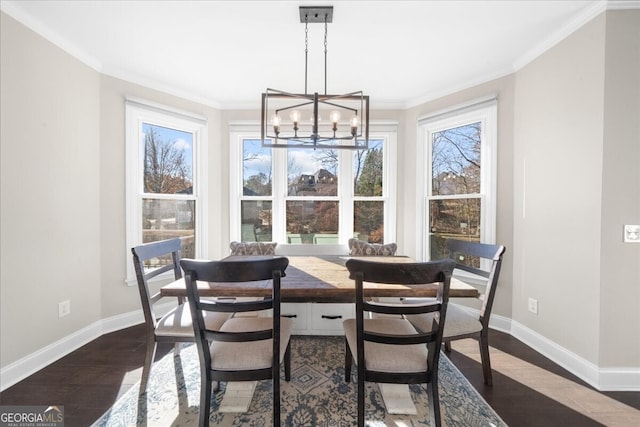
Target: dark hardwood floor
(528, 390)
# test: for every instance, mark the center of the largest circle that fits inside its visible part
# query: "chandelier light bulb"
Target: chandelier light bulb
(354, 125)
(295, 116)
(275, 121)
(334, 116)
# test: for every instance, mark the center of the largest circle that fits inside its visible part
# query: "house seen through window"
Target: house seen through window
(316, 197)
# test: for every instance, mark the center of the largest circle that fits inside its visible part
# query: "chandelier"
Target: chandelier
(315, 120)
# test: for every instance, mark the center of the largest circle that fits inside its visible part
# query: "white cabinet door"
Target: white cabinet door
(326, 319)
(299, 312)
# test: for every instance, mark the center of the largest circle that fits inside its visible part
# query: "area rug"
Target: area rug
(317, 395)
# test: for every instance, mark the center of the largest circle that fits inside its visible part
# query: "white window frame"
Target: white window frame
(385, 131)
(485, 111)
(138, 112)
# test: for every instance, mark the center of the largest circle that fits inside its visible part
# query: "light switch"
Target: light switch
(632, 233)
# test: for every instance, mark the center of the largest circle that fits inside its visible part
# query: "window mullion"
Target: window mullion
(345, 192)
(279, 193)
(235, 182)
(161, 196)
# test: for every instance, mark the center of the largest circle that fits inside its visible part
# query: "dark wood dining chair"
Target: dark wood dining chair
(244, 348)
(175, 325)
(462, 323)
(389, 349)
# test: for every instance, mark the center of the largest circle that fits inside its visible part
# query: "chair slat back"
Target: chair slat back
(492, 253)
(249, 270)
(246, 270)
(145, 252)
(405, 274)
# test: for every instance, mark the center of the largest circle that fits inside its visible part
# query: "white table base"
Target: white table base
(237, 396)
(397, 399)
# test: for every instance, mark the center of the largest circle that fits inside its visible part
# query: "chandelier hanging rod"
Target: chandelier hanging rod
(315, 14)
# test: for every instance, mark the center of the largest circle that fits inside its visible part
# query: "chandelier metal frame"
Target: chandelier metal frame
(317, 132)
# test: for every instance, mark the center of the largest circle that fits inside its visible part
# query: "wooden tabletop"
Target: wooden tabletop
(319, 279)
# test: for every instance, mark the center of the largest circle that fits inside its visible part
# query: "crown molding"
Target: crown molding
(458, 87)
(587, 15)
(623, 4)
(11, 8)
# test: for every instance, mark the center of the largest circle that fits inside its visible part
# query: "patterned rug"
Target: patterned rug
(317, 395)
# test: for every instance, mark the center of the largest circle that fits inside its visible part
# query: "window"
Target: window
(459, 182)
(257, 190)
(369, 190)
(312, 197)
(165, 149)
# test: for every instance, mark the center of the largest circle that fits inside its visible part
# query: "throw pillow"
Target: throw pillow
(362, 248)
(253, 248)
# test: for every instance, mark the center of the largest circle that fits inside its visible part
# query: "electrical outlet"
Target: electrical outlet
(64, 308)
(631, 234)
(533, 305)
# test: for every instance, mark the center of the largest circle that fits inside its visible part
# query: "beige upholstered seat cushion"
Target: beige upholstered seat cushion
(253, 248)
(229, 356)
(387, 357)
(457, 322)
(177, 322)
(361, 248)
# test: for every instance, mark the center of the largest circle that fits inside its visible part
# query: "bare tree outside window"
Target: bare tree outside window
(257, 184)
(166, 168)
(256, 168)
(456, 160)
(456, 154)
(168, 160)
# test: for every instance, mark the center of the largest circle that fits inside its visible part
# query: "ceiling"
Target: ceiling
(225, 53)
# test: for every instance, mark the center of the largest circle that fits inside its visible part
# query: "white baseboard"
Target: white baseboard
(21, 369)
(28, 365)
(500, 323)
(603, 379)
(621, 379)
(121, 321)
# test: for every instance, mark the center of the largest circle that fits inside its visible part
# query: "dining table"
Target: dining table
(319, 279)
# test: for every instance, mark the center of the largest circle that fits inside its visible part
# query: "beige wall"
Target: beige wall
(576, 183)
(620, 262)
(50, 142)
(558, 170)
